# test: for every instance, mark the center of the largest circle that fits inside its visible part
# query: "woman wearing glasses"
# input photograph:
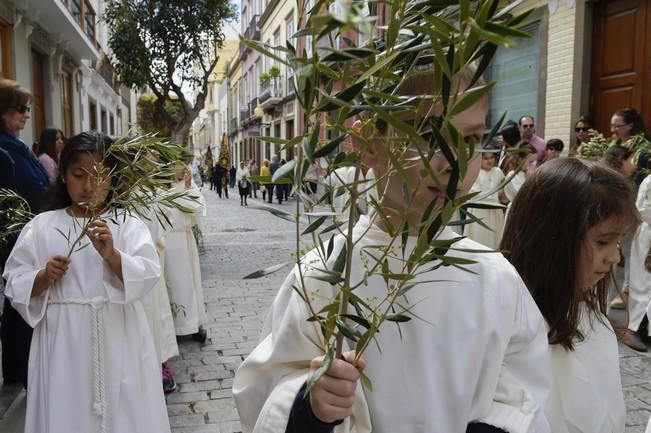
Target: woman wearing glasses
(24, 174)
(627, 127)
(581, 128)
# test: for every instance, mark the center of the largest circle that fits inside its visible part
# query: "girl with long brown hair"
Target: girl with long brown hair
(562, 235)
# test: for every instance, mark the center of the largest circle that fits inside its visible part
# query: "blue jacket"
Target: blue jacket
(21, 171)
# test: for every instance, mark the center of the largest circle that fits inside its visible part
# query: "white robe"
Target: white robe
(639, 291)
(587, 394)
(486, 182)
(182, 271)
(476, 356)
(92, 367)
(157, 301)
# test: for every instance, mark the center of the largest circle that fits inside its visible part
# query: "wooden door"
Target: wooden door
(38, 92)
(621, 60)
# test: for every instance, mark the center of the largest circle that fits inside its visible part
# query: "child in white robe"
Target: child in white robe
(562, 235)
(639, 289)
(473, 359)
(486, 185)
(182, 270)
(158, 309)
(93, 367)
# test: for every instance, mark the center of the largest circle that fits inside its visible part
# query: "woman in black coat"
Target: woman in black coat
(24, 174)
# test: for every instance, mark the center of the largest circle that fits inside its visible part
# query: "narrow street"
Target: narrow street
(239, 240)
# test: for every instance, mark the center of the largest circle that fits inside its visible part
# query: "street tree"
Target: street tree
(168, 46)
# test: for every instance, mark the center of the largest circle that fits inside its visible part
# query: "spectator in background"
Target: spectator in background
(231, 176)
(553, 149)
(254, 170)
(620, 159)
(50, 145)
(629, 131)
(581, 128)
(528, 133)
(510, 137)
(27, 177)
(273, 167)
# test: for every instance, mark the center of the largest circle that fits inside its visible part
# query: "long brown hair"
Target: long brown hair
(545, 231)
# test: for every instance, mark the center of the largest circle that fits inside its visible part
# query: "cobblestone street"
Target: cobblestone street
(239, 240)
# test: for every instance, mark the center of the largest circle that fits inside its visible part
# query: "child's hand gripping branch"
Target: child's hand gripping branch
(54, 269)
(333, 395)
(101, 237)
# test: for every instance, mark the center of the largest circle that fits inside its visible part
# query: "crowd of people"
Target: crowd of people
(521, 343)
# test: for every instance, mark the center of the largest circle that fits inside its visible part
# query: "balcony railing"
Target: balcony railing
(253, 103)
(232, 125)
(252, 32)
(270, 92)
(244, 113)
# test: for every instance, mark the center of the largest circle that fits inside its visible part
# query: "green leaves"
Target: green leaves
(264, 272)
(397, 98)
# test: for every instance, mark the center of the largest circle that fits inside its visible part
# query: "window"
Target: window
(92, 115)
(276, 43)
(516, 71)
(66, 104)
(112, 125)
(5, 50)
(38, 91)
(103, 120)
(308, 39)
(289, 28)
(245, 20)
(89, 21)
(75, 9)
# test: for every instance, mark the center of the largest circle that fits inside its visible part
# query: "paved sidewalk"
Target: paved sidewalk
(240, 240)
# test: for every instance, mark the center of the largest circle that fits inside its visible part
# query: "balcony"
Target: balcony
(270, 92)
(244, 113)
(232, 125)
(72, 21)
(252, 32)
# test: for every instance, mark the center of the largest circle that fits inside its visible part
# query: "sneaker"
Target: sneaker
(620, 301)
(632, 339)
(169, 384)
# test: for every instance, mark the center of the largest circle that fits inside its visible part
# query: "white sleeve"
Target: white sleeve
(267, 382)
(643, 201)
(511, 189)
(20, 272)
(524, 383)
(140, 264)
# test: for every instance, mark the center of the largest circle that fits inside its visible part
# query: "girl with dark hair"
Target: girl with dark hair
(620, 159)
(562, 235)
(519, 165)
(50, 145)
(93, 366)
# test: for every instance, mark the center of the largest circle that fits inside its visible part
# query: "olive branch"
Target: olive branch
(446, 46)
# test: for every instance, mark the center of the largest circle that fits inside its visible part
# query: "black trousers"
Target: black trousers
(16, 337)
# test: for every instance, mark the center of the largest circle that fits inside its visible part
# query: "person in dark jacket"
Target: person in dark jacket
(275, 165)
(20, 171)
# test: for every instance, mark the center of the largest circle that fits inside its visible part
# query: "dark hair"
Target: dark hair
(630, 115)
(47, 143)
(615, 156)
(526, 115)
(544, 234)
(514, 160)
(92, 142)
(586, 121)
(556, 144)
(12, 96)
(510, 133)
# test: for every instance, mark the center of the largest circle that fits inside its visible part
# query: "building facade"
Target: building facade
(58, 50)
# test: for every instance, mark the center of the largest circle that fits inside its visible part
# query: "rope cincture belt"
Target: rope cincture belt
(97, 334)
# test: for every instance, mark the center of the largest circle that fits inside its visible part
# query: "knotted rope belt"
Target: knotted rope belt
(97, 335)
